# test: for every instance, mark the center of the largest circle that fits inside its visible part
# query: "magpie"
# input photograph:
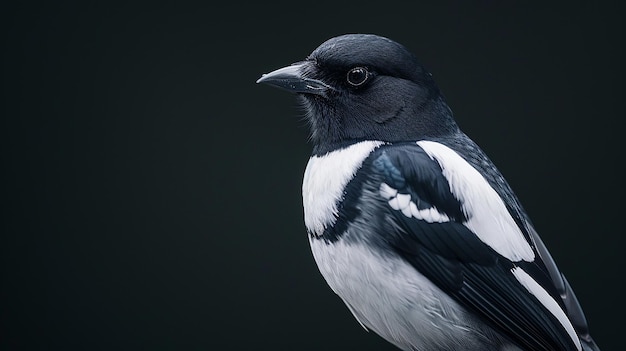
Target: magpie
(409, 222)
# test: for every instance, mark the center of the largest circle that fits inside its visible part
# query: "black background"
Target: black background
(151, 192)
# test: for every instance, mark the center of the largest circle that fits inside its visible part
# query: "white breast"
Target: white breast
(324, 181)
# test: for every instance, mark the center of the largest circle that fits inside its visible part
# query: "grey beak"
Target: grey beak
(291, 78)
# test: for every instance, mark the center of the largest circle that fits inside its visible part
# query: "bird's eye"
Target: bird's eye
(357, 76)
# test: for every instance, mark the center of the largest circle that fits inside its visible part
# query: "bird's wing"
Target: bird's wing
(476, 157)
(453, 227)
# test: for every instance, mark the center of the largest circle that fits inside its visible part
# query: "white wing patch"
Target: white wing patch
(324, 181)
(547, 301)
(487, 214)
(402, 202)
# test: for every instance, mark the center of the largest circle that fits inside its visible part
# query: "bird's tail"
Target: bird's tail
(589, 345)
(572, 306)
(577, 316)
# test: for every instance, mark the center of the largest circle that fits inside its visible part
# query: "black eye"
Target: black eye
(357, 76)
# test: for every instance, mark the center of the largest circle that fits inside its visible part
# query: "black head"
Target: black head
(365, 87)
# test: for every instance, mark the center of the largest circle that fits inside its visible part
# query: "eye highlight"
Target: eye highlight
(357, 76)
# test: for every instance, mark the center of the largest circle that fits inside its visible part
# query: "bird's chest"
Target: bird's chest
(388, 296)
(325, 179)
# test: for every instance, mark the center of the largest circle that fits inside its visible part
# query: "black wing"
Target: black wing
(445, 250)
(477, 158)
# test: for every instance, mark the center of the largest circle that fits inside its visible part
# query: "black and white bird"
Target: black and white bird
(409, 222)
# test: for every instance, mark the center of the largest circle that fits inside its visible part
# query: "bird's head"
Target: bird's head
(365, 87)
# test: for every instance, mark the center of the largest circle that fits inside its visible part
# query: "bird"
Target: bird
(408, 220)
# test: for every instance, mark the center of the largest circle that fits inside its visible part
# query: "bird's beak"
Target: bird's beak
(292, 79)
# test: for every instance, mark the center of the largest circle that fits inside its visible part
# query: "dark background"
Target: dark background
(151, 192)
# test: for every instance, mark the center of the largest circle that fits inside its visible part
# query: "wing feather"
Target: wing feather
(458, 261)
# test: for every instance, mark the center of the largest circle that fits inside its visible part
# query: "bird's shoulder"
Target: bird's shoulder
(432, 183)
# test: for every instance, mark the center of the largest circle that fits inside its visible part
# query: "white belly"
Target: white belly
(397, 302)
